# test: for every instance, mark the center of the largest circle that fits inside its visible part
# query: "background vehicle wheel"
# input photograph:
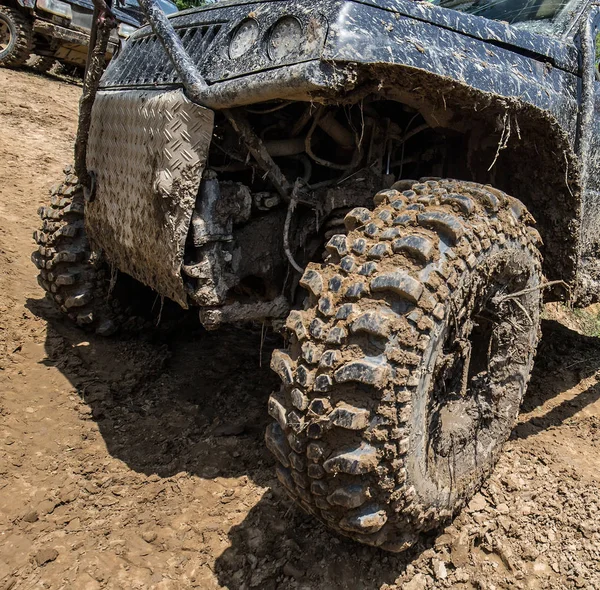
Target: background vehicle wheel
(407, 367)
(16, 37)
(73, 275)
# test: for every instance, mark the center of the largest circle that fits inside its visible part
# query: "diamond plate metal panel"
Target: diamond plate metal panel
(148, 149)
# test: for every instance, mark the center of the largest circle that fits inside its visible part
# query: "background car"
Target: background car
(57, 30)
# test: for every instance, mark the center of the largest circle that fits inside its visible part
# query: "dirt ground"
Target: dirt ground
(139, 462)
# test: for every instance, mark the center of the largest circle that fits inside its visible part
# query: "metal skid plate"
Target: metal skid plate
(148, 150)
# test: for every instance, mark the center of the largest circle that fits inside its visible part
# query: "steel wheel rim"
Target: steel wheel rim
(470, 405)
(5, 36)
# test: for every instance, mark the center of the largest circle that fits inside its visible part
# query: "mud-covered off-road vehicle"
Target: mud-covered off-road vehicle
(59, 30)
(396, 183)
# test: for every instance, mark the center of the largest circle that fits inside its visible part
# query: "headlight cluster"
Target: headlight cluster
(126, 30)
(283, 38)
(244, 38)
(56, 7)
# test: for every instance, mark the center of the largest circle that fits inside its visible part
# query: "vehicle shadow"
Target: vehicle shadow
(275, 548)
(65, 77)
(178, 398)
(170, 399)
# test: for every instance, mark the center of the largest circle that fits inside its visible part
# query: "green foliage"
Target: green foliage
(185, 4)
(589, 320)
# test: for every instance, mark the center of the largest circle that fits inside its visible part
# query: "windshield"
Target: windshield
(527, 12)
(167, 7)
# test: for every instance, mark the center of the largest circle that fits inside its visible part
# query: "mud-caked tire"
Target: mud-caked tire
(406, 369)
(16, 37)
(75, 276)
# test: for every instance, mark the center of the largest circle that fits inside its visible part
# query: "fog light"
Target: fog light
(243, 39)
(285, 38)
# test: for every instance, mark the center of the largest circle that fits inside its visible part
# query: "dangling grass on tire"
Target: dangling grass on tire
(408, 364)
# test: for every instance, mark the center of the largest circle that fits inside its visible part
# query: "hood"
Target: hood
(124, 14)
(555, 51)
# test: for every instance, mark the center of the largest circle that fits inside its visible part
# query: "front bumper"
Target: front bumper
(301, 82)
(206, 35)
(66, 36)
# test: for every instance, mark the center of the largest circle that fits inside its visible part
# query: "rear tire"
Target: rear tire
(75, 277)
(408, 364)
(16, 37)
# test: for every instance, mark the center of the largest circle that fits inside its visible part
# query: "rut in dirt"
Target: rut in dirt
(180, 399)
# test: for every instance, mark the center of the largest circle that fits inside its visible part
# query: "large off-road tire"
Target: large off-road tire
(73, 275)
(16, 37)
(406, 369)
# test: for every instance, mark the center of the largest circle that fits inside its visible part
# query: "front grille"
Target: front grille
(144, 61)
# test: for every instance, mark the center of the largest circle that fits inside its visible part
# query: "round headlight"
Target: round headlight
(286, 37)
(243, 39)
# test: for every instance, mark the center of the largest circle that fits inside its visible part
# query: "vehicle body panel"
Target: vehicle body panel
(361, 35)
(26, 3)
(490, 31)
(589, 153)
(469, 70)
(125, 16)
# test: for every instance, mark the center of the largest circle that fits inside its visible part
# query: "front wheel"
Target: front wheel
(16, 37)
(408, 364)
(75, 276)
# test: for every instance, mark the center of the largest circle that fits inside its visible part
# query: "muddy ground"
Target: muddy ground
(139, 462)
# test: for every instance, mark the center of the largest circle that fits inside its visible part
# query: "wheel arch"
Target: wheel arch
(509, 143)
